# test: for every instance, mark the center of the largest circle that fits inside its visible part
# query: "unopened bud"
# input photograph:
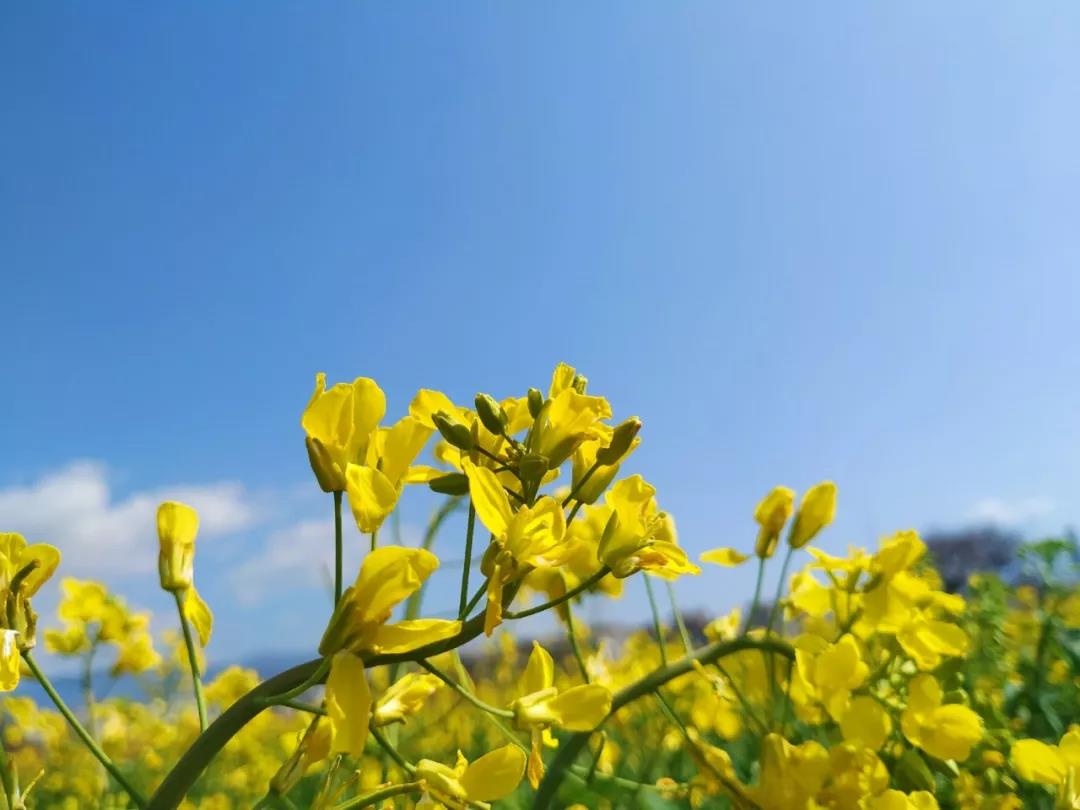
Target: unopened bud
(580, 383)
(453, 431)
(450, 484)
(912, 773)
(491, 414)
(177, 525)
(622, 438)
(532, 468)
(536, 402)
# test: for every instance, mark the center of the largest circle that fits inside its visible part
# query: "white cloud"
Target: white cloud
(100, 536)
(1012, 513)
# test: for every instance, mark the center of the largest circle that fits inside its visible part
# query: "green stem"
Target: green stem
(570, 594)
(584, 480)
(474, 600)
(374, 540)
(572, 637)
(570, 747)
(373, 798)
(87, 683)
(395, 755)
(463, 600)
(81, 732)
(337, 548)
(316, 678)
(465, 693)
(10, 779)
(302, 707)
(757, 595)
(179, 780)
(656, 621)
(189, 642)
(680, 623)
(779, 590)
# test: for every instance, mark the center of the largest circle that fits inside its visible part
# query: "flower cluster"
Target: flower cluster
(862, 684)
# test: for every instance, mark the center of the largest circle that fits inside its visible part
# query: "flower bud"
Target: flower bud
(491, 414)
(455, 433)
(771, 514)
(912, 773)
(622, 438)
(816, 511)
(580, 383)
(536, 402)
(404, 698)
(341, 630)
(450, 484)
(532, 468)
(177, 526)
(327, 473)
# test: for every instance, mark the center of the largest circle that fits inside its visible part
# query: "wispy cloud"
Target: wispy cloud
(103, 536)
(1012, 512)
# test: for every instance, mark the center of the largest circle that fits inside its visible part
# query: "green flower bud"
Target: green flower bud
(491, 414)
(453, 431)
(911, 773)
(621, 440)
(532, 467)
(450, 484)
(536, 402)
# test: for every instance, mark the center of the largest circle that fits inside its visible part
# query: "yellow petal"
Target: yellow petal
(404, 442)
(372, 496)
(495, 775)
(427, 403)
(177, 523)
(539, 672)
(489, 498)
(199, 614)
(388, 575)
(412, 634)
(1035, 761)
(348, 704)
(48, 557)
(865, 723)
(581, 708)
(10, 660)
(727, 557)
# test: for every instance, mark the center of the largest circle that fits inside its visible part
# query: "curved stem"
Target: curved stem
(570, 594)
(373, 798)
(395, 755)
(317, 677)
(194, 761)
(81, 732)
(461, 690)
(337, 548)
(189, 642)
(570, 747)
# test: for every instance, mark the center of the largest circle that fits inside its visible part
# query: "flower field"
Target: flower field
(862, 684)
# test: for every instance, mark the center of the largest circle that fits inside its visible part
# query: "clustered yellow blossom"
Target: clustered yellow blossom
(862, 683)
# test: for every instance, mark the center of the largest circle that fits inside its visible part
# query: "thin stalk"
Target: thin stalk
(303, 707)
(571, 746)
(465, 693)
(584, 480)
(395, 755)
(757, 595)
(572, 637)
(463, 600)
(374, 540)
(316, 678)
(779, 590)
(189, 642)
(573, 512)
(656, 621)
(87, 683)
(474, 600)
(10, 779)
(337, 548)
(680, 623)
(376, 796)
(81, 732)
(584, 585)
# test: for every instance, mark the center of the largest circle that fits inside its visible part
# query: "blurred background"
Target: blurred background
(800, 242)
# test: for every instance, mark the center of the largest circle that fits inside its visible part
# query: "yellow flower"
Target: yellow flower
(944, 731)
(568, 419)
(375, 485)
(791, 775)
(1054, 765)
(771, 514)
(339, 424)
(638, 536)
(16, 554)
(529, 537)
(896, 800)
(177, 525)
(405, 698)
(726, 557)
(387, 576)
(610, 453)
(542, 705)
(494, 776)
(815, 513)
(828, 672)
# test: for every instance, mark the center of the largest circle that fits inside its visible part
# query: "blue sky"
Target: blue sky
(799, 241)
